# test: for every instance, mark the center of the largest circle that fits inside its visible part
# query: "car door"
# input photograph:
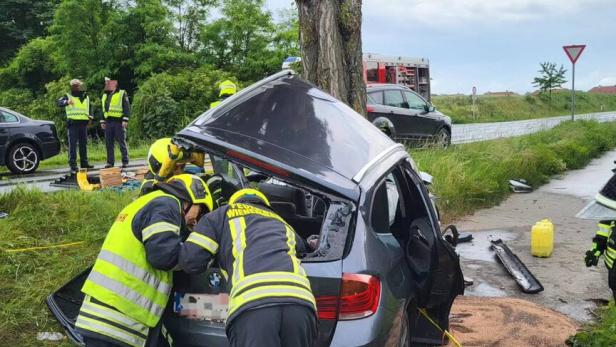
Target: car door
(387, 219)
(426, 121)
(400, 114)
(7, 121)
(436, 276)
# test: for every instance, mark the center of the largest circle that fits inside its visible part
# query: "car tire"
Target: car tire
(23, 158)
(386, 131)
(442, 138)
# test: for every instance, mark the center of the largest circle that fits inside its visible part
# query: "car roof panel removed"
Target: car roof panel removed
(289, 123)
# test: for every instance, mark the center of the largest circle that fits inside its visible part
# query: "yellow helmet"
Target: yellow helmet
(190, 188)
(227, 88)
(248, 193)
(162, 157)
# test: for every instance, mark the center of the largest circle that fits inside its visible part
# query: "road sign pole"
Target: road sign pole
(573, 92)
(573, 52)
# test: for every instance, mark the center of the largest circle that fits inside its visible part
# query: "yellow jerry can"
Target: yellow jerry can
(542, 239)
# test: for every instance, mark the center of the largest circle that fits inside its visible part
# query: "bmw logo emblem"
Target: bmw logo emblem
(215, 279)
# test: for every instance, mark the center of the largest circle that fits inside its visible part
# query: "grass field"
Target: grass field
(517, 107)
(26, 278)
(466, 177)
(476, 175)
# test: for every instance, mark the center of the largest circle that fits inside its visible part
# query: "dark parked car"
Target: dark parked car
(24, 142)
(404, 115)
(326, 171)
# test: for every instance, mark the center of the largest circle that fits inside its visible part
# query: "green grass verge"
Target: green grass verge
(518, 107)
(476, 175)
(26, 278)
(599, 334)
(97, 154)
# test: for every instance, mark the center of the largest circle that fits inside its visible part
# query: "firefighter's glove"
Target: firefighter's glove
(215, 183)
(592, 257)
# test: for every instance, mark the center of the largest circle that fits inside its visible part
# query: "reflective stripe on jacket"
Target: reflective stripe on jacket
(115, 105)
(78, 110)
(122, 277)
(256, 248)
(605, 230)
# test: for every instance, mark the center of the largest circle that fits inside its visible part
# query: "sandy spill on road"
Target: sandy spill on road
(479, 321)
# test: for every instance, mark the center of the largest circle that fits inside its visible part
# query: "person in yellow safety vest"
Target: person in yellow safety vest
(116, 111)
(604, 241)
(270, 301)
(76, 104)
(226, 89)
(166, 159)
(130, 284)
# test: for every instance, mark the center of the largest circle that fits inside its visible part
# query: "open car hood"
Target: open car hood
(291, 125)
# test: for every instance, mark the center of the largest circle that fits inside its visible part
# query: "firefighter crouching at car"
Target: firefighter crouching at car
(130, 283)
(226, 89)
(604, 241)
(166, 159)
(270, 301)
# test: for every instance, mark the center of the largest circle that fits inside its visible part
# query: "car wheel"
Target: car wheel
(23, 158)
(386, 130)
(442, 138)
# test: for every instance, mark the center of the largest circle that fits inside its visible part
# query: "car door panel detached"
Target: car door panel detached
(402, 117)
(425, 121)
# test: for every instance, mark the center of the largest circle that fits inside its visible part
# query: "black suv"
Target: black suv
(404, 115)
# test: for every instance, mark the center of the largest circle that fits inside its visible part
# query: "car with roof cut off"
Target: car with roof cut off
(327, 171)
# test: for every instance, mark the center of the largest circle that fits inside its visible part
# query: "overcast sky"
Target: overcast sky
(495, 45)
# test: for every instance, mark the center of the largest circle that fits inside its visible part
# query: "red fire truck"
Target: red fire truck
(410, 72)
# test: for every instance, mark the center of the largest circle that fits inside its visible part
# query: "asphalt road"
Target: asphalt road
(464, 133)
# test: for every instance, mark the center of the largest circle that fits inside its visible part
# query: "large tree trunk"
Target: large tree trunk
(330, 40)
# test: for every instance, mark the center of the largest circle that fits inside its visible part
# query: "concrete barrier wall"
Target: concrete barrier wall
(463, 133)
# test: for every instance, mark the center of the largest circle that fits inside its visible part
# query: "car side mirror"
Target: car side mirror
(429, 108)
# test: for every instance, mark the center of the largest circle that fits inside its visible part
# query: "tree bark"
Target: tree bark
(330, 41)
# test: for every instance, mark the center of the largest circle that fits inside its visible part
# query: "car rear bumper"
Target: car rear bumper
(50, 149)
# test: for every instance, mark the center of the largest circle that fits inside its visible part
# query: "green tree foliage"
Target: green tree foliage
(189, 17)
(243, 40)
(33, 66)
(79, 34)
(21, 21)
(550, 77)
(169, 55)
(191, 93)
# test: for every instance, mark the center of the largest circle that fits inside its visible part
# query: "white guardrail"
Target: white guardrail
(463, 133)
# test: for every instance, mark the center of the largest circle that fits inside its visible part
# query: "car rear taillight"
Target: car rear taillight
(359, 298)
(258, 163)
(369, 109)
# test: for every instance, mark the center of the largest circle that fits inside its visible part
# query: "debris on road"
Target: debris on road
(49, 336)
(466, 237)
(525, 279)
(482, 321)
(520, 186)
